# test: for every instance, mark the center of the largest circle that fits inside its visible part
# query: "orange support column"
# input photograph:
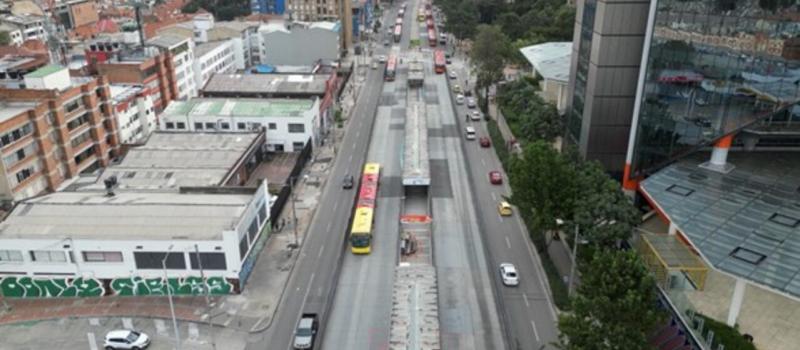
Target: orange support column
(719, 156)
(629, 185)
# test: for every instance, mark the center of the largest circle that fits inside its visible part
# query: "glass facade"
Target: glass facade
(715, 66)
(575, 116)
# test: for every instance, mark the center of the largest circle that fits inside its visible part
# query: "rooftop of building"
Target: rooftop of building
(125, 215)
(20, 19)
(11, 109)
(45, 71)
(267, 83)
(166, 40)
(168, 161)
(240, 107)
(201, 49)
(14, 62)
(286, 26)
(123, 92)
(745, 223)
(550, 60)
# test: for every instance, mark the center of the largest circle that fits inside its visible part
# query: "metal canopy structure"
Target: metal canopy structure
(665, 255)
(416, 166)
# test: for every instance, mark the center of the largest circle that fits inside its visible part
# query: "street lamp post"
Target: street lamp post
(574, 262)
(294, 211)
(169, 296)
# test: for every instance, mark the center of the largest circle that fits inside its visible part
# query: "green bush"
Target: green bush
(726, 335)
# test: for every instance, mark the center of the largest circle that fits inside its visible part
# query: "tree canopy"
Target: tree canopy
(528, 115)
(223, 10)
(615, 307)
(5, 38)
(488, 54)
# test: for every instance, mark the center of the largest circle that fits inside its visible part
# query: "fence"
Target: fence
(286, 190)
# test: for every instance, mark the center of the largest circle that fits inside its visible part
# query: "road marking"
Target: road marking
(320, 251)
(328, 228)
(127, 323)
(525, 298)
(537, 262)
(499, 217)
(508, 244)
(194, 333)
(535, 332)
(483, 162)
(494, 197)
(94, 321)
(335, 205)
(161, 328)
(92, 341)
(358, 133)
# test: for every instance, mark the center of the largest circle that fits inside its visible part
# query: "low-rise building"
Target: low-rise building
(133, 111)
(14, 34)
(204, 29)
(550, 62)
(299, 43)
(181, 52)
(211, 58)
(55, 128)
(289, 123)
(30, 26)
(161, 217)
(14, 67)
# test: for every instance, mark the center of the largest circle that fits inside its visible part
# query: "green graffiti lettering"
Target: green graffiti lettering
(123, 287)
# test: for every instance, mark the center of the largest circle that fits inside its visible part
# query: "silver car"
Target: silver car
(126, 339)
(509, 274)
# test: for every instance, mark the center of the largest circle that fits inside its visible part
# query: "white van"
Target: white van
(469, 133)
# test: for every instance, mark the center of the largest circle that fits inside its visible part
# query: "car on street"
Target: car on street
(471, 102)
(386, 42)
(504, 209)
(374, 65)
(469, 133)
(448, 60)
(475, 115)
(460, 99)
(457, 88)
(382, 59)
(495, 177)
(452, 75)
(509, 275)
(306, 332)
(347, 182)
(126, 339)
(485, 142)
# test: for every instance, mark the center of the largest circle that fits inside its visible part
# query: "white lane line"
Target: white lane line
(127, 323)
(483, 162)
(92, 341)
(537, 262)
(494, 197)
(535, 332)
(525, 298)
(499, 217)
(508, 243)
(335, 204)
(358, 133)
(328, 228)
(322, 249)
(350, 159)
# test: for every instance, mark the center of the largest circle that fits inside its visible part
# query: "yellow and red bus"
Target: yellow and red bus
(439, 61)
(363, 218)
(391, 68)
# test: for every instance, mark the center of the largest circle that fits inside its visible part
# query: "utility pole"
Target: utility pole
(207, 292)
(169, 296)
(294, 211)
(574, 262)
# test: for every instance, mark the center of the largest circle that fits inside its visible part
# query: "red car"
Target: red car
(495, 178)
(485, 142)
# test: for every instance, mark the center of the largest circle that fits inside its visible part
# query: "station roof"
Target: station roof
(306, 84)
(745, 223)
(240, 107)
(125, 216)
(416, 166)
(550, 60)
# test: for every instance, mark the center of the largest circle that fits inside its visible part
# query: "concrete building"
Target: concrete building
(14, 34)
(212, 58)
(204, 29)
(133, 111)
(14, 67)
(54, 129)
(697, 109)
(30, 26)
(289, 123)
(299, 43)
(181, 52)
(94, 240)
(550, 62)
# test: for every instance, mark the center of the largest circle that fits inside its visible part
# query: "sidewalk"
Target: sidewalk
(250, 311)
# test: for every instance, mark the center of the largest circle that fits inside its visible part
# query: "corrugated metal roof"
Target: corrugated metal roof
(550, 60)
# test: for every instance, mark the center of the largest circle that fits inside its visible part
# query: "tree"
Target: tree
(543, 183)
(5, 38)
(462, 18)
(603, 214)
(615, 307)
(488, 55)
(511, 25)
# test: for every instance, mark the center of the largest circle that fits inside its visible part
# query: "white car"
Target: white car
(452, 75)
(471, 102)
(509, 274)
(460, 99)
(475, 115)
(126, 339)
(382, 59)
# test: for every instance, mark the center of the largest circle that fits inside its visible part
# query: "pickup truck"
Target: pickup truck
(306, 332)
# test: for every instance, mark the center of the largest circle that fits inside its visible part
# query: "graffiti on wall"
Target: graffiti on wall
(28, 287)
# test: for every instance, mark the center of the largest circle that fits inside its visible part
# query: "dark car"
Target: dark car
(485, 142)
(347, 182)
(495, 178)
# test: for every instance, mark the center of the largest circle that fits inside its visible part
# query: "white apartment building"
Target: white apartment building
(30, 26)
(134, 112)
(299, 43)
(289, 123)
(14, 34)
(182, 50)
(213, 57)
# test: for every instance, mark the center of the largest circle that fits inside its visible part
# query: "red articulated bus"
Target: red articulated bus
(398, 21)
(432, 37)
(391, 68)
(430, 23)
(439, 62)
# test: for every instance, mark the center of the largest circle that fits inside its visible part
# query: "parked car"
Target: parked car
(306, 332)
(126, 339)
(495, 177)
(347, 182)
(460, 99)
(475, 115)
(485, 142)
(471, 102)
(509, 275)
(457, 88)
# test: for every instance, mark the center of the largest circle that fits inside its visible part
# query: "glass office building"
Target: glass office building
(715, 67)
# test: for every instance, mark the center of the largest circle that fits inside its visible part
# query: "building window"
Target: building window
(209, 261)
(170, 125)
(72, 106)
(10, 255)
(48, 256)
(181, 125)
(24, 174)
(74, 123)
(14, 135)
(241, 126)
(210, 126)
(297, 128)
(152, 260)
(198, 126)
(273, 126)
(20, 154)
(225, 126)
(102, 256)
(81, 139)
(84, 155)
(297, 146)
